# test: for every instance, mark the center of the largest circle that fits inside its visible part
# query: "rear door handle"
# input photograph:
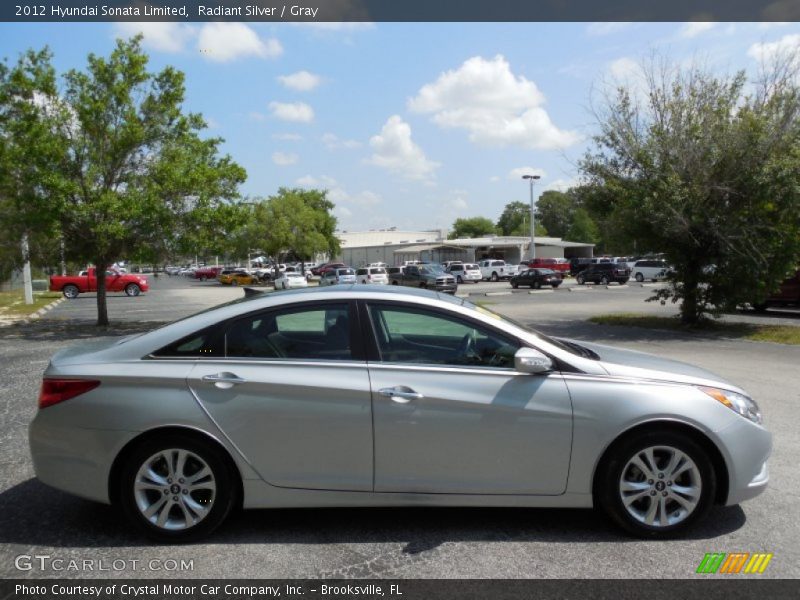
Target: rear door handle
(400, 394)
(224, 380)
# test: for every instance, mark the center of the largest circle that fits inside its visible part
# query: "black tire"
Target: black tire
(537, 285)
(609, 473)
(202, 277)
(514, 284)
(604, 280)
(580, 280)
(234, 282)
(639, 277)
(70, 291)
(495, 277)
(224, 498)
(132, 290)
(459, 280)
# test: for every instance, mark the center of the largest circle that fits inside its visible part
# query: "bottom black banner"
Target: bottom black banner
(400, 589)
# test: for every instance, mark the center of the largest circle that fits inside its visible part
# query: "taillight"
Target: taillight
(57, 390)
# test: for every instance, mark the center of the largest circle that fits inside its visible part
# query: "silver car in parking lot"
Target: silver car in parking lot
(385, 396)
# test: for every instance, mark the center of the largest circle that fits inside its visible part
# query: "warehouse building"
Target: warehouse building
(394, 247)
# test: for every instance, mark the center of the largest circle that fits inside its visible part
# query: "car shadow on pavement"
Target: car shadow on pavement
(73, 329)
(37, 515)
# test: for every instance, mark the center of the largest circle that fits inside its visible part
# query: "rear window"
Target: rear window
(345, 272)
(378, 271)
(470, 267)
(361, 272)
(498, 263)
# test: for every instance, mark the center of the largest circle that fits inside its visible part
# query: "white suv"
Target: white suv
(372, 275)
(649, 269)
(464, 272)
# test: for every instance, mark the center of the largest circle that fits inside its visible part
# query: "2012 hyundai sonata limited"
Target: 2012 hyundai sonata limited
(347, 396)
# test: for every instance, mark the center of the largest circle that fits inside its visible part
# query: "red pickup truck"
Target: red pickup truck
(72, 285)
(560, 265)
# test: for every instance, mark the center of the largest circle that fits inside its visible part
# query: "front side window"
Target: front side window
(314, 332)
(414, 335)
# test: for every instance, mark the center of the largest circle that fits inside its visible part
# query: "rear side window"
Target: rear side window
(314, 333)
(361, 272)
(205, 343)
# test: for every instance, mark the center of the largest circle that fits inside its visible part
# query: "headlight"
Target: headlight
(740, 403)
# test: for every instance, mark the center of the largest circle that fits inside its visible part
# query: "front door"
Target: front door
(451, 415)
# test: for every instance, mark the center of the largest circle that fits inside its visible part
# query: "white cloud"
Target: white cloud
(256, 116)
(395, 150)
(603, 28)
(695, 28)
(520, 171)
(342, 212)
(298, 112)
(333, 142)
(336, 193)
(496, 107)
(302, 81)
(561, 185)
(494, 179)
(284, 159)
(161, 37)
(287, 137)
(772, 24)
(223, 42)
(766, 51)
(456, 204)
(623, 68)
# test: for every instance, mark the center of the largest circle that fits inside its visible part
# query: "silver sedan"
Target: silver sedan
(374, 396)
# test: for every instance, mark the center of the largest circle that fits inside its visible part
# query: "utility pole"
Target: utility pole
(27, 282)
(532, 179)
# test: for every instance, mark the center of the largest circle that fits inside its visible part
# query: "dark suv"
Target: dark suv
(604, 273)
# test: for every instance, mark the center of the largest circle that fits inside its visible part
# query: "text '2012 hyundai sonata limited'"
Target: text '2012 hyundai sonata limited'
(346, 396)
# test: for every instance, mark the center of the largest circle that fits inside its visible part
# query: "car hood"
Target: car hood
(619, 362)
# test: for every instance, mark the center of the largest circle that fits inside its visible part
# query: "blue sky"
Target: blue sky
(407, 125)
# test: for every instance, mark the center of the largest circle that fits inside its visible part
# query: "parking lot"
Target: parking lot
(460, 543)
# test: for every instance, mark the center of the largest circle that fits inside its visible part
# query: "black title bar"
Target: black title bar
(400, 10)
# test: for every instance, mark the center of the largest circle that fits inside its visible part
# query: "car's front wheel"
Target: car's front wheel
(70, 291)
(639, 277)
(656, 484)
(580, 279)
(132, 289)
(177, 488)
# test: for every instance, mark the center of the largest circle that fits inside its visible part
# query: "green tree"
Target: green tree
(126, 168)
(707, 169)
(554, 210)
(294, 222)
(516, 220)
(582, 228)
(28, 154)
(472, 227)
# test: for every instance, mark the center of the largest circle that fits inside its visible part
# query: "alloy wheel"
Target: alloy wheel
(660, 486)
(174, 489)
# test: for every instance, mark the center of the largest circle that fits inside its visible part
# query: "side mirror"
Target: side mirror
(528, 360)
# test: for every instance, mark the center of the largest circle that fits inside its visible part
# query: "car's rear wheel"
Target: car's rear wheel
(459, 280)
(514, 284)
(537, 285)
(177, 488)
(70, 291)
(132, 289)
(495, 277)
(604, 280)
(580, 280)
(234, 282)
(639, 277)
(656, 484)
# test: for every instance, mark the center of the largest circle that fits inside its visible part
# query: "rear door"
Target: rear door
(292, 393)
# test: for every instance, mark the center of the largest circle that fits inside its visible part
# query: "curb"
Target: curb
(540, 291)
(38, 314)
(497, 293)
(580, 289)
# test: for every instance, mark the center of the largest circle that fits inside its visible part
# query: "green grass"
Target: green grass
(780, 334)
(13, 303)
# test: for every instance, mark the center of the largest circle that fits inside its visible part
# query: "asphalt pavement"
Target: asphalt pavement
(396, 543)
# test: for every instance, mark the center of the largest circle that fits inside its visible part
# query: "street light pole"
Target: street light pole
(532, 179)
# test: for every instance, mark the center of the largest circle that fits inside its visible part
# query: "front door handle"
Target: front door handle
(224, 381)
(400, 394)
